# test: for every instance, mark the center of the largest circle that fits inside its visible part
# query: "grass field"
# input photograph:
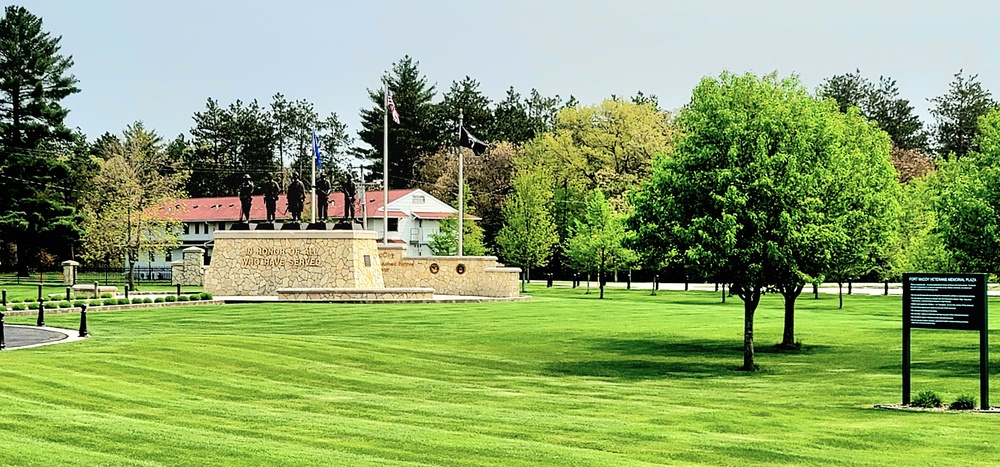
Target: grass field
(564, 379)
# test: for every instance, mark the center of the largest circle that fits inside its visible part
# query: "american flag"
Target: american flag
(392, 105)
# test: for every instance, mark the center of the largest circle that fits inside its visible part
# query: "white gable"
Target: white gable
(420, 201)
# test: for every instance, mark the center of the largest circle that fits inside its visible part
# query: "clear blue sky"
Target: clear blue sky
(159, 61)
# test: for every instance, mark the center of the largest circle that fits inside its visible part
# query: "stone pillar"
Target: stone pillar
(192, 268)
(69, 272)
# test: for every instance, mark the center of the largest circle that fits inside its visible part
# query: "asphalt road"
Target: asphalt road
(22, 336)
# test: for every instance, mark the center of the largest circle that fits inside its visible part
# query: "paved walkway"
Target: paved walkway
(21, 337)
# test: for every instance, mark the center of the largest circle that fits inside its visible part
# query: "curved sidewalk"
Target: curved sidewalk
(22, 337)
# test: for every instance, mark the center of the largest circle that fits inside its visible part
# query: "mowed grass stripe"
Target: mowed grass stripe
(565, 379)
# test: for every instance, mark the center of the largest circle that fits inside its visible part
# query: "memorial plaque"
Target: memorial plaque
(944, 301)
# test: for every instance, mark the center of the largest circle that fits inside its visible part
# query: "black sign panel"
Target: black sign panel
(944, 301)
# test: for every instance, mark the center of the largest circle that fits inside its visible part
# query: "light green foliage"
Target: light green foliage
(969, 203)
(136, 174)
(445, 241)
(597, 240)
(529, 236)
(921, 247)
(767, 187)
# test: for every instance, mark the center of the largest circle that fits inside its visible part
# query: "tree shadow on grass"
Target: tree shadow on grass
(637, 359)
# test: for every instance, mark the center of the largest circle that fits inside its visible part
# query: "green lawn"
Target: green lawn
(565, 379)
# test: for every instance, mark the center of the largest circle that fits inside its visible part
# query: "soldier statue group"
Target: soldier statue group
(296, 197)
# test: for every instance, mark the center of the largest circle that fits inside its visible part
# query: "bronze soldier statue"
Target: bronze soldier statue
(322, 195)
(296, 197)
(271, 191)
(246, 198)
(350, 193)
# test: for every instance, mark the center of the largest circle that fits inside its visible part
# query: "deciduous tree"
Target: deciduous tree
(599, 240)
(529, 236)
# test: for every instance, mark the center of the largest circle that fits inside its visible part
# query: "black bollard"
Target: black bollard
(5, 298)
(39, 292)
(849, 286)
(178, 290)
(126, 291)
(83, 321)
(69, 293)
(3, 343)
(41, 313)
(97, 289)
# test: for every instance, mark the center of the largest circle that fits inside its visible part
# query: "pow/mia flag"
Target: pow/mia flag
(467, 140)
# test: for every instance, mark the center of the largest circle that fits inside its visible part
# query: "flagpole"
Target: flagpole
(313, 191)
(461, 187)
(385, 165)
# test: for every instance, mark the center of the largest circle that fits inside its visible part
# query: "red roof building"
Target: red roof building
(413, 216)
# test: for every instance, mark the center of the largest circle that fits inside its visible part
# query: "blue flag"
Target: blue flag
(319, 162)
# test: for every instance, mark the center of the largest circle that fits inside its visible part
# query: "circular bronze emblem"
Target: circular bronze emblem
(460, 269)
(434, 268)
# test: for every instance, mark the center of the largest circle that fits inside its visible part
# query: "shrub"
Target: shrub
(17, 307)
(927, 399)
(109, 301)
(147, 300)
(963, 402)
(136, 300)
(106, 295)
(33, 306)
(123, 301)
(27, 300)
(206, 296)
(170, 298)
(65, 304)
(158, 300)
(182, 298)
(79, 303)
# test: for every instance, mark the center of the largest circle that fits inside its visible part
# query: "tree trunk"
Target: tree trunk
(815, 291)
(723, 293)
(750, 301)
(788, 336)
(600, 282)
(840, 294)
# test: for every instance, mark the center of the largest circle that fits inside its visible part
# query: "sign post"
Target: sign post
(946, 301)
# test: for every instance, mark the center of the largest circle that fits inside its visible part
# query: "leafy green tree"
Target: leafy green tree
(136, 174)
(417, 133)
(969, 203)
(739, 200)
(862, 200)
(957, 116)
(529, 236)
(880, 103)
(445, 241)
(607, 147)
(599, 239)
(921, 245)
(36, 147)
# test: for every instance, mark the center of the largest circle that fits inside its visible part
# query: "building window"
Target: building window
(394, 225)
(187, 228)
(418, 199)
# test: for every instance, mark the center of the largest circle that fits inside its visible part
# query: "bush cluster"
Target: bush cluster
(107, 295)
(65, 304)
(927, 399)
(17, 307)
(963, 402)
(170, 299)
(183, 298)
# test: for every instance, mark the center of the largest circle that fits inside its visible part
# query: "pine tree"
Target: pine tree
(417, 132)
(38, 216)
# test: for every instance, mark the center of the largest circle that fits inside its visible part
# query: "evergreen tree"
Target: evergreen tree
(477, 117)
(880, 103)
(957, 114)
(35, 144)
(418, 130)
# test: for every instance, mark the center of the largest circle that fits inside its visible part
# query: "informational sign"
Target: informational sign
(944, 301)
(947, 301)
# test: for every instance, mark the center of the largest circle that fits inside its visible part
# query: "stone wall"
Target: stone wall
(191, 269)
(480, 276)
(360, 295)
(259, 262)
